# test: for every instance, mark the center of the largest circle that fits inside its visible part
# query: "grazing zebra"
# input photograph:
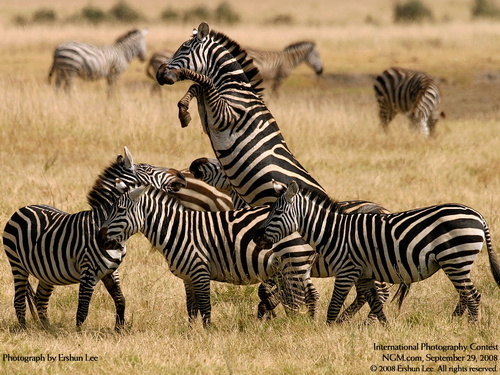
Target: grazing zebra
(276, 66)
(59, 248)
(154, 63)
(90, 62)
(415, 94)
(202, 246)
(403, 247)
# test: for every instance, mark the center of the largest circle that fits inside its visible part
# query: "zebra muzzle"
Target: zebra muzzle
(164, 75)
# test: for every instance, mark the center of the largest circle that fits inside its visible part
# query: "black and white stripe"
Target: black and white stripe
(202, 246)
(415, 94)
(91, 62)
(59, 248)
(403, 247)
(276, 66)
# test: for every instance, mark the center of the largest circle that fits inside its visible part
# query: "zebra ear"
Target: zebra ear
(203, 31)
(137, 192)
(129, 159)
(121, 186)
(292, 190)
(279, 187)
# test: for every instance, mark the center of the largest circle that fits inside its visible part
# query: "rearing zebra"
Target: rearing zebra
(403, 247)
(90, 62)
(276, 66)
(244, 134)
(416, 94)
(59, 248)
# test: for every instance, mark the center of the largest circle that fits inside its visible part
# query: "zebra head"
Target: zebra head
(210, 171)
(282, 219)
(125, 219)
(134, 43)
(190, 55)
(104, 191)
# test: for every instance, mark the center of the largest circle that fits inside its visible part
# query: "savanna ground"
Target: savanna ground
(52, 148)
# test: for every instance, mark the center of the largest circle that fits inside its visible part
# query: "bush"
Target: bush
(486, 9)
(169, 14)
(44, 16)
(281, 19)
(93, 14)
(197, 14)
(124, 12)
(412, 11)
(224, 13)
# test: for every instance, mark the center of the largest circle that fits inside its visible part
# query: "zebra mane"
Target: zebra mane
(104, 186)
(242, 58)
(302, 44)
(127, 35)
(322, 200)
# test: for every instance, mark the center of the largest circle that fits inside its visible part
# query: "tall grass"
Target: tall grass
(52, 148)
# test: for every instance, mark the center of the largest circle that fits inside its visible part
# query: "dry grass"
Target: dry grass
(52, 147)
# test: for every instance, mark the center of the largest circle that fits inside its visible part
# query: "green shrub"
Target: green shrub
(93, 14)
(124, 12)
(485, 9)
(412, 11)
(224, 13)
(44, 16)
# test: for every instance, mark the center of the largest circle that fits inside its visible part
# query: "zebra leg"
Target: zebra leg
(112, 284)
(368, 288)
(42, 296)
(87, 285)
(343, 284)
(469, 299)
(191, 303)
(183, 104)
(20, 285)
(353, 308)
(312, 297)
(201, 285)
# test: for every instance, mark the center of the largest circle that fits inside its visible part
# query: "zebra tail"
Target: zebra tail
(401, 294)
(442, 114)
(494, 261)
(30, 297)
(49, 78)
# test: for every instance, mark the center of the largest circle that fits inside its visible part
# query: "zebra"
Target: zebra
(157, 58)
(276, 66)
(59, 248)
(201, 196)
(403, 247)
(415, 94)
(202, 246)
(209, 170)
(244, 134)
(90, 62)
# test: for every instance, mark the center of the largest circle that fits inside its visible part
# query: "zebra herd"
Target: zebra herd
(253, 214)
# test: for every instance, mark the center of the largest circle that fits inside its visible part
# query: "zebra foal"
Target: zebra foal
(60, 248)
(403, 247)
(91, 62)
(202, 246)
(415, 94)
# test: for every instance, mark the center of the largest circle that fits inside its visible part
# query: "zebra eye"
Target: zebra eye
(122, 209)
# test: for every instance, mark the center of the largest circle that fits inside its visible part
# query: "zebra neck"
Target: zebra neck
(127, 49)
(316, 220)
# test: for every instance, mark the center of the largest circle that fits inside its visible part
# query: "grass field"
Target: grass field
(52, 148)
